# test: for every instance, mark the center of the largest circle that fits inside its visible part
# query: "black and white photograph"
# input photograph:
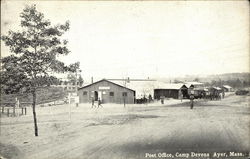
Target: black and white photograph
(134, 79)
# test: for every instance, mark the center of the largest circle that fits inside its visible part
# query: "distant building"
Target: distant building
(171, 91)
(146, 87)
(194, 84)
(107, 92)
(142, 87)
(195, 88)
(215, 90)
(227, 88)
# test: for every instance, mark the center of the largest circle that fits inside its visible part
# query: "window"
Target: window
(124, 94)
(85, 93)
(111, 94)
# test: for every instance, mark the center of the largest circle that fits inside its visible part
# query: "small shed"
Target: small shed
(215, 90)
(196, 87)
(107, 92)
(171, 91)
(227, 88)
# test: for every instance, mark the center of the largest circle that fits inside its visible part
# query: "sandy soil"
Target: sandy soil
(115, 132)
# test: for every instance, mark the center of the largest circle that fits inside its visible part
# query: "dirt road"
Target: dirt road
(171, 131)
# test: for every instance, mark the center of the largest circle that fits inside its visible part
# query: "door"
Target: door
(96, 96)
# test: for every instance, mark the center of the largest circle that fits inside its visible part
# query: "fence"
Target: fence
(20, 108)
(14, 109)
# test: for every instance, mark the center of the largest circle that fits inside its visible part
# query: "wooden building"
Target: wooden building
(107, 92)
(227, 88)
(171, 91)
(144, 88)
(196, 88)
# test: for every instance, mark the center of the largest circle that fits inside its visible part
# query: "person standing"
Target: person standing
(93, 102)
(181, 96)
(99, 102)
(191, 101)
(162, 99)
(150, 99)
(223, 94)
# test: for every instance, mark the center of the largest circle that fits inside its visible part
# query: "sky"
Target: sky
(141, 39)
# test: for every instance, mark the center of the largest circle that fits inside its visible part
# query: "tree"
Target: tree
(196, 79)
(80, 80)
(177, 81)
(72, 78)
(75, 79)
(34, 55)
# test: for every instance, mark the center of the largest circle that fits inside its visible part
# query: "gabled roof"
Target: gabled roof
(106, 81)
(187, 85)
(217, 88)
(151, 85)
(141, 87)
(206, 89)
(194, 83)
(199, 89)
(172, 86)
(227, 86)
(147, 87)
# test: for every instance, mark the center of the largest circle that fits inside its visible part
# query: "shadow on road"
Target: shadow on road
(207, 144)
(9, 151)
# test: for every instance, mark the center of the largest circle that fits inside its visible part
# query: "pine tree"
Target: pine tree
(34, 55)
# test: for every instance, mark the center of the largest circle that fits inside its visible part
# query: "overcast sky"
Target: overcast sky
(140, 39)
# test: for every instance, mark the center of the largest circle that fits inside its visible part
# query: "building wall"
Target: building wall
(168, 93)
(103, 90)
(227, 89)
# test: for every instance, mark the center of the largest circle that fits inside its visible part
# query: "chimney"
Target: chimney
(92, 80)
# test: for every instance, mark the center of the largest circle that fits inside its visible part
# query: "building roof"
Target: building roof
(187, 85)
(227, 86)
(200, 89)
(217, 88)
(141, 87)
(106, 81)
(194, 83)
(206, 89)
(176, 86)
(147, 87)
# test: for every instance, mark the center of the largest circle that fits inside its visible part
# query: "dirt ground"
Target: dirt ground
(172, 130)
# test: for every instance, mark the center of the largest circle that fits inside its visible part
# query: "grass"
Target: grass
(44, 95)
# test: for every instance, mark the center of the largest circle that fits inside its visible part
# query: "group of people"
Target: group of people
(217, 95)
(144, 99)
(212, 95)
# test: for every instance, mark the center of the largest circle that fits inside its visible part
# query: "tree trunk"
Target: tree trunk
(34, 112)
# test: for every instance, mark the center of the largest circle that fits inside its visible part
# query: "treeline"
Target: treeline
(235, 83)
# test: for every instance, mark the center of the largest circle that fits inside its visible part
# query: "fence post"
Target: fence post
(22, 110)
(25, 110)
(8, 112)
(3, 109)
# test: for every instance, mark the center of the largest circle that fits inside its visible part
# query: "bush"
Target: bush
(241, 92)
